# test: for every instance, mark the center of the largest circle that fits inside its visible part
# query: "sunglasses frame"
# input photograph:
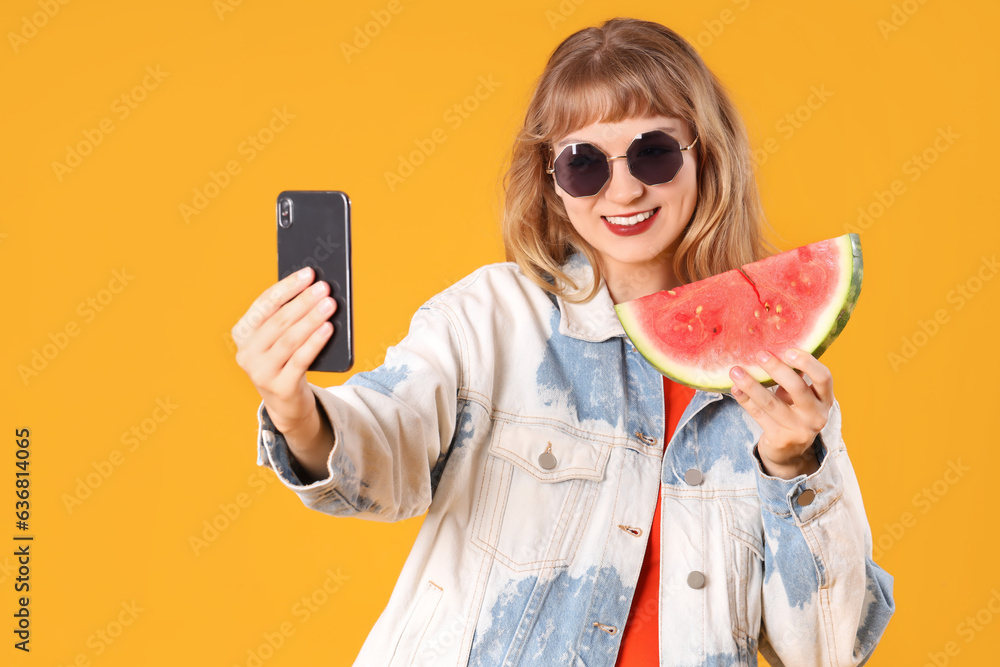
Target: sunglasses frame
(551, 169)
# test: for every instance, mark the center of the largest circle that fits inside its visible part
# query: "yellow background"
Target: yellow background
(895, 76)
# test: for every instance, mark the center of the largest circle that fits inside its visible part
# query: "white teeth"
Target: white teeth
(631, 220)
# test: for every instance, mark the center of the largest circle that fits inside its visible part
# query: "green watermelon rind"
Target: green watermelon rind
(829, 324)
(850, 299)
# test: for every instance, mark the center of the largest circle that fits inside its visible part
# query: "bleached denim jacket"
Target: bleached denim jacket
(531, 432)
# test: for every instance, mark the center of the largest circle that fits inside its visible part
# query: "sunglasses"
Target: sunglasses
(583, 169)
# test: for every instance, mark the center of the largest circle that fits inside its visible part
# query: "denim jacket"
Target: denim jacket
(530, 431)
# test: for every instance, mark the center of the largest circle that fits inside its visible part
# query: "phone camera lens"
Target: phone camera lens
(285, 213)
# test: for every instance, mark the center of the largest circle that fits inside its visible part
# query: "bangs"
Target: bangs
(610, 89)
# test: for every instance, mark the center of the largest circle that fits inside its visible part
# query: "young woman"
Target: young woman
(581, 508)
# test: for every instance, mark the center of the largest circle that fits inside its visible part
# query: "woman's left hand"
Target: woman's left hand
(792, 416)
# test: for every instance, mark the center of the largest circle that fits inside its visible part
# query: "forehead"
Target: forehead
(611, 133)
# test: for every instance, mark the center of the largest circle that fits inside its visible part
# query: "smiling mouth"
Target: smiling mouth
(628, 221)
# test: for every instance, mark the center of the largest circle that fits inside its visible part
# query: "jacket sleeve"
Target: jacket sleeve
(391, 426)
(825, 601)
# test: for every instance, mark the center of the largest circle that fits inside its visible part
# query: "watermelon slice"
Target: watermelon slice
(695, 333)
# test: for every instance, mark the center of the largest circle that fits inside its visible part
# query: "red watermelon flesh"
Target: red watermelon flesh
(695, 333)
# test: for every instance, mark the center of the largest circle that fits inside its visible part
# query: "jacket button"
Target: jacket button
(648, 439)
(693, 477)
(547, 460)
(696, 579)
(610, 629)
(806, 497)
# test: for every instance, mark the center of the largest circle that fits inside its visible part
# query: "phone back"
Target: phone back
(314, 229)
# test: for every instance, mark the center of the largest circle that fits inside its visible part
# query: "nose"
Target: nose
(623, 187)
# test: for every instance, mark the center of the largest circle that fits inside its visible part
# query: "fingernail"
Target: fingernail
(303, 274)
(791, 354)
(737, 372)
(763, 357)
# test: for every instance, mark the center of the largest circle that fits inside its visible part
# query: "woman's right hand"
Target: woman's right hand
(277, 339)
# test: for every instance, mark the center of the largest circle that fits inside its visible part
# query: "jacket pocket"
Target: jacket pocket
(416, 625)
(538, 489)
(745, 565)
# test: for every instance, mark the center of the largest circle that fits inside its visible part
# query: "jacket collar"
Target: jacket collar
(594, 321)
(597, 321)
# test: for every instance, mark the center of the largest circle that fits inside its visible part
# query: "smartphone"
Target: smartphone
(314, 229)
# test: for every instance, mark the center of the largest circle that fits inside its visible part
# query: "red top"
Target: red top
(640, 638)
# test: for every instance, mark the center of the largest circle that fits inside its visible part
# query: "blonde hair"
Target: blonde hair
(628, 68)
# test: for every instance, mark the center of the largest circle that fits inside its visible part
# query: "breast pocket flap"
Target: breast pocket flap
(550, 454)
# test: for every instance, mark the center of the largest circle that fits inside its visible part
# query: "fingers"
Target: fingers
(819, 374)
(268, 303)
(271, 335)
(281, 306)
(796, 409)
(299, 345)
(279, 337)
(786, 377)
(767, 409)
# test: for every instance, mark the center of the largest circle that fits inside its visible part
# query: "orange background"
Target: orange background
(841, 100)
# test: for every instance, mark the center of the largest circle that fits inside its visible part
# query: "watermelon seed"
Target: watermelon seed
(778, 308)
(697, 310)
(690, 328)
(715, 329)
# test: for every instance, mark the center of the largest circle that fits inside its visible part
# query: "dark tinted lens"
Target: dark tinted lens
(581, 170)
(655, 158)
